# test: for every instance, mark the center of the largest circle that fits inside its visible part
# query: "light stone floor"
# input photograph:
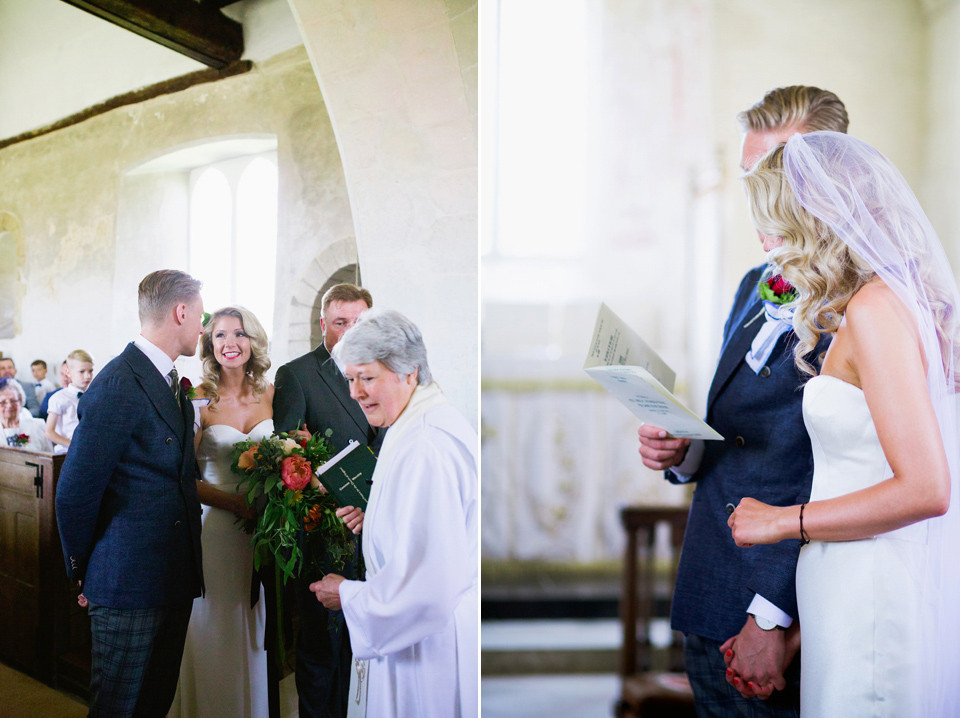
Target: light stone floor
(559, 696)
(549, 696)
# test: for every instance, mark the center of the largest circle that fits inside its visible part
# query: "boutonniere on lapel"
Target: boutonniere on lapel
(776, 289)
(187, 389)
(777, 295)
(17, 440)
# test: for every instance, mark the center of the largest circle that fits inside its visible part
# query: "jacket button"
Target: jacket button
(765, 372)
(730, 508)
(169, 440)
(739, 442)
(176, 523)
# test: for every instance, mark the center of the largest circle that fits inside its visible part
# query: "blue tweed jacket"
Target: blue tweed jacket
(766, 455)
(127, 505)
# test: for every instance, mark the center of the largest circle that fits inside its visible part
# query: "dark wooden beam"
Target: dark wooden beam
(197, 30)
(177, 84)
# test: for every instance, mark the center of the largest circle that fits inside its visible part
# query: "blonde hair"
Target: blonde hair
(257, 365)
(80, 355)
(821, 266)
(800, 106)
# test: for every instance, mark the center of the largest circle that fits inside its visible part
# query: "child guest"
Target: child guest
(43, 385)
(62, 410)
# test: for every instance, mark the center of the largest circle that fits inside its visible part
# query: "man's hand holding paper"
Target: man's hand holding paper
(623, 364)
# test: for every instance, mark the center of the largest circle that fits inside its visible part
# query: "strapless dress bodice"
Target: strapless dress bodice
(216, 448)
(847, 455)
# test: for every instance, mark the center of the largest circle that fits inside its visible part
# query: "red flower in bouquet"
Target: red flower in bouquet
(295, 472)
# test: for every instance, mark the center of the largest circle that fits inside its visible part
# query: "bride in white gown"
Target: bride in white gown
(224, 667)
(878, 580)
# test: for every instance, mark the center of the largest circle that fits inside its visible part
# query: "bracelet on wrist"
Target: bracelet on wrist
(803, 536)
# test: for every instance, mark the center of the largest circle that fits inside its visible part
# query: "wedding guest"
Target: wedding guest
(22, 432)
(64, 383)
(312, 391)
(127, 506)
(415, 617)
(42, 385)
(62, 409)
(8, 370)
(878, 580)
(734, 606)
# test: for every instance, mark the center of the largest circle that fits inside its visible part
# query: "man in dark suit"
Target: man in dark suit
(737, 608)
(127, 506)
(311, 390)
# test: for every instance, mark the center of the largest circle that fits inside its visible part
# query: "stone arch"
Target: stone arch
(12, 269)
(335, 264)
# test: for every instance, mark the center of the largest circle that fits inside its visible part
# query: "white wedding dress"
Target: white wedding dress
(859, 602)
(224, 668)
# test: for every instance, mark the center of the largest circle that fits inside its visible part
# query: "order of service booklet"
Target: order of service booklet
(623, 364)
(349, 475)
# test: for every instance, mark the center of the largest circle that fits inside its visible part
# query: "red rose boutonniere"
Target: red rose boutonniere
(18, 440)
(777, 290)
(186, 388)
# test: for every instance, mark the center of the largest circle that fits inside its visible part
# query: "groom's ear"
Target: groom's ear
(180, 313)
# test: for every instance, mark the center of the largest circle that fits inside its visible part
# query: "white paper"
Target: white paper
(625, 365)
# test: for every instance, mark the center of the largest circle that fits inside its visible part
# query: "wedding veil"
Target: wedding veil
(862, 197)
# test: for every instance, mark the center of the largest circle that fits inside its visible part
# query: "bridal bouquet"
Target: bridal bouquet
(279, 478)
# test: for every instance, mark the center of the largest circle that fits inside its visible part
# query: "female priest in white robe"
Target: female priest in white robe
(416, 616)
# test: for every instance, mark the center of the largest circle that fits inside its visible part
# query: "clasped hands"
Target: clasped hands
(756, 660)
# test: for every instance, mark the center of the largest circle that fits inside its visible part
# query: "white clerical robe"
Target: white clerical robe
(416, 616)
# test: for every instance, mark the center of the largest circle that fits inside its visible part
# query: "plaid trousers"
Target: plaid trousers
(135, 663)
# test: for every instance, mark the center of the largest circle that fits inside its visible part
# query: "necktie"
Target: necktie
(175, 384)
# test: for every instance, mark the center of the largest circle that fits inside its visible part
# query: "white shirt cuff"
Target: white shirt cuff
(691, 462)
(760, 606)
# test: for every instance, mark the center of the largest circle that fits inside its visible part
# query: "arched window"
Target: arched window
(233, 233)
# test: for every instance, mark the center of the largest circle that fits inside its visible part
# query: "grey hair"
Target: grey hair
(386, 336)
(15, 385)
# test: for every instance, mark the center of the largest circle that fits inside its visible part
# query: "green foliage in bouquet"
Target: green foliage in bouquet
(278, 478)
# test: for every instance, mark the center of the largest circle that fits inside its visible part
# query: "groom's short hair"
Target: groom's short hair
(161, 290)
(807, 108)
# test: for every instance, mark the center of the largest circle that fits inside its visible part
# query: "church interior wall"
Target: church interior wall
(66, 189)
(941, 143)
(400, 83)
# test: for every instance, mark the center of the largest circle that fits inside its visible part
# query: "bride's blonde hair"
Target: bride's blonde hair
(821, 266)
(257, 365)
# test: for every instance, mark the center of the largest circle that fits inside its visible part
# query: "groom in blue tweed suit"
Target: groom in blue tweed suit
(737, 608)
(127, 507)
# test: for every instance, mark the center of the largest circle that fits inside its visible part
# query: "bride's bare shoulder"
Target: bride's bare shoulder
(876, 313)
(874, 300)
